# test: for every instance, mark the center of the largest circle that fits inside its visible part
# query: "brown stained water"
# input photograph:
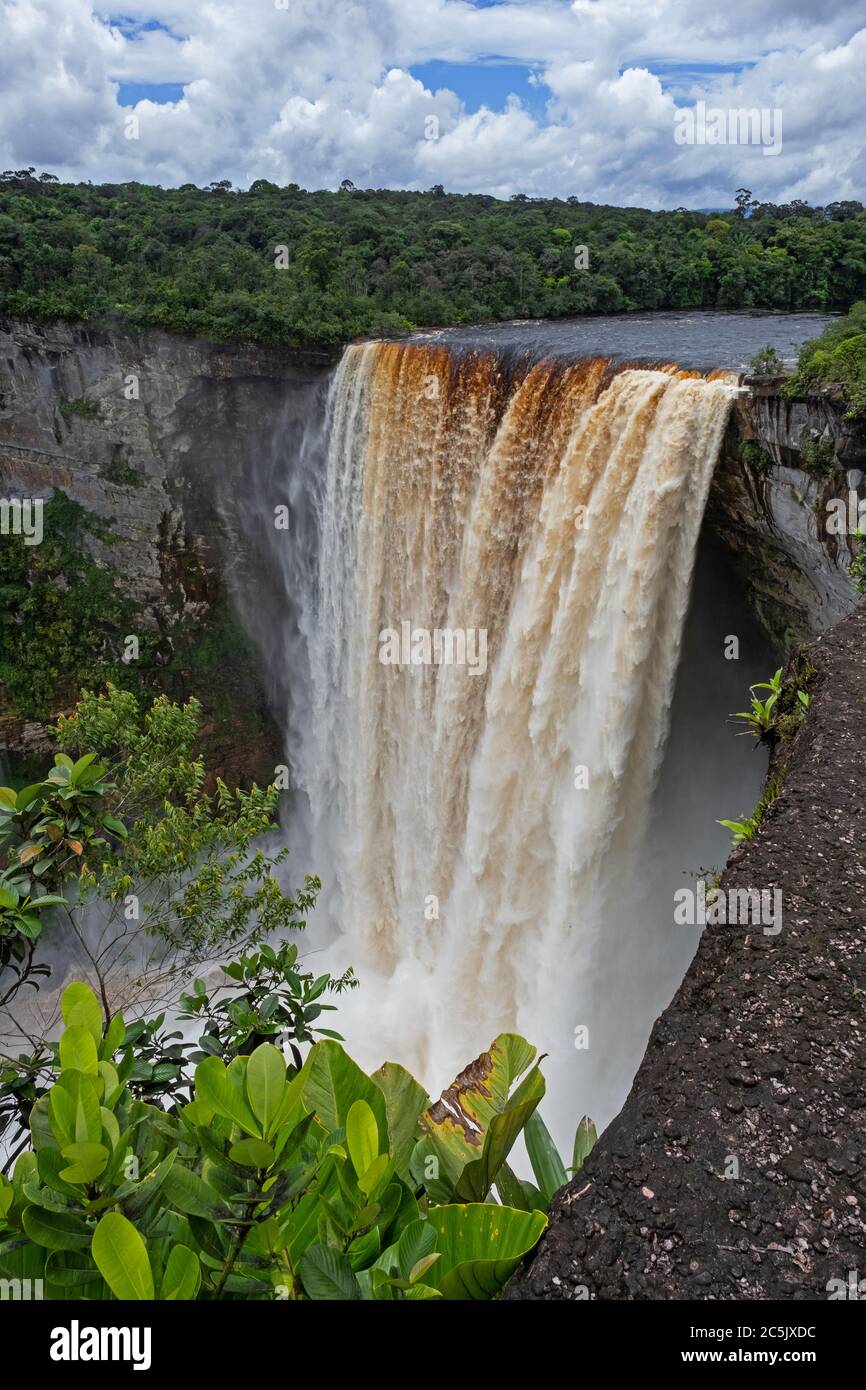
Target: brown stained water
(482, 828)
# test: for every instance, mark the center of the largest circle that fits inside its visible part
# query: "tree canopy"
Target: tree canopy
(313, 269)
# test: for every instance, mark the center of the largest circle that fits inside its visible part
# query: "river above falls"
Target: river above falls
(696, 338)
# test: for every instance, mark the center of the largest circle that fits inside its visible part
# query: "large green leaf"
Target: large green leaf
(252, 1153)
(78, 1051)
(121, 1258)
(480, 1246)
(547, 1165)
(221, 1094)
(191, 1194)
(71, 1274)
(405, 1103)
(362, 1137)
(56, 1230)
(333, 1082)
(510, 1189)
(182, 1278)
(41, 1129)
(265, 1083)
(459, 1123)
(80, 1009)
(86, 1162)
(326, 1274)
(86, 1115)
(478, 1177)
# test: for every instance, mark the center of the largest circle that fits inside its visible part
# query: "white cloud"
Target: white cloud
(321, 90)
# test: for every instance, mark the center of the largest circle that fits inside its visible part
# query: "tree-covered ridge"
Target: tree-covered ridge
(282, 265)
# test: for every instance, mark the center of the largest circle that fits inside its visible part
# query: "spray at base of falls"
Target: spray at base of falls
(477, 830)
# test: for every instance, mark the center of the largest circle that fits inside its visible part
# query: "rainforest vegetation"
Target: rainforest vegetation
(313, 269)
(257, 1161)
(837, 357)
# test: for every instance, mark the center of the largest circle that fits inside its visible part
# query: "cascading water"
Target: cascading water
(478, 824)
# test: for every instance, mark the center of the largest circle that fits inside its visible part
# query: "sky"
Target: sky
(588, 98)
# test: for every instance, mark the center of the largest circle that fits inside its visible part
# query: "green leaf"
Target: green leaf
(115, 826)
(362, 1137)
(421, 1267)
(327, 1275)
(405, 1103)
(84, 1090)
(547, 1165)
(480, 1246)
(114, 1035)
(61, 1112)
(478, 1177)
(87, 1161)
(78, 1051)
(510, 1189)
(585, 1139)
(252, 1153)
(27, 795)
(80, 1009)
(265, 1083)
(474, 1124)
(216, 1091)
(417, 1240)
(56, 1230)
(332, 1083)
(191, 1194)
(182, 1278)
(121, 1258)
(81, 764)
(377, 1176)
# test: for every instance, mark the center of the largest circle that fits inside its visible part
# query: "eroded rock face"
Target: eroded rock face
(772, 513)
(735, 1168)
(162, 437)
(176, 425)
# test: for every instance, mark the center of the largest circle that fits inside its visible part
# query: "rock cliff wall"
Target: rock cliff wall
(159, 436)
(781, 463)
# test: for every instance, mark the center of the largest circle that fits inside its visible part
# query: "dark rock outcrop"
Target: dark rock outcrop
(781, 463)
(735, 1168)
(164, 438)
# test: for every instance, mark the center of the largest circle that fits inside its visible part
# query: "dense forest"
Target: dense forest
(282, 265)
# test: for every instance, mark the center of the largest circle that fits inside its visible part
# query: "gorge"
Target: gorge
(528, 825)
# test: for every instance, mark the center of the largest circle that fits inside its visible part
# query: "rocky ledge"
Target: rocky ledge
(735, 1168)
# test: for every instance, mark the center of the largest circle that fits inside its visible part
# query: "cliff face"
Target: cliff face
(735, 1168)
(781, 462)
(159, 436)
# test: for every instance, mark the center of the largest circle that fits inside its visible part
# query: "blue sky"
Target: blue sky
(545, 97)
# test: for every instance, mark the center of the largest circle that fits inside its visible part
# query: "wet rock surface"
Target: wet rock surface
(737, 1166)
(771, 510)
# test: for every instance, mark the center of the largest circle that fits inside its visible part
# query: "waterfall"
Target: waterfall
(478, 824)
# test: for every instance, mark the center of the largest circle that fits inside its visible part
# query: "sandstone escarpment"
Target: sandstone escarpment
(159, 437)
(781, 463)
